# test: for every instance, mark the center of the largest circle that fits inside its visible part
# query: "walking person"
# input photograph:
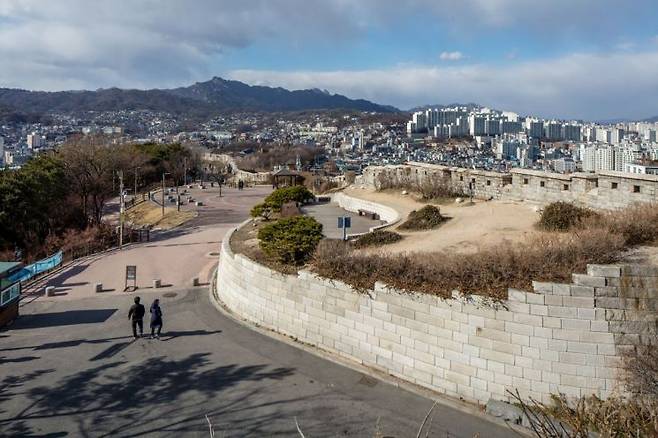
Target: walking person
(156, 319)
(136, 316)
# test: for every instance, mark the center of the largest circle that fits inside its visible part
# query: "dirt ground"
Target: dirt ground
(471, 227)
(148, 213)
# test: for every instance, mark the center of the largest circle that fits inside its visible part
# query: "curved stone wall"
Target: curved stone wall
(387, 214)
(564, 338)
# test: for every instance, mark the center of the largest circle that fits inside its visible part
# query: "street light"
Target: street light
(163, 190)
(135, 194)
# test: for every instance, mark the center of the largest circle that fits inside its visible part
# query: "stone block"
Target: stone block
(542, 288)
(604, 270)
(588, 280)
(562, 312)
(504, 411)
(538, 309)
(457, 378)
(575, 324)
(516, 295)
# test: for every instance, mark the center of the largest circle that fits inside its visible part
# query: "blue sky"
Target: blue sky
(554, 58)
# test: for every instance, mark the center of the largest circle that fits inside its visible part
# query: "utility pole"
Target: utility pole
(185, 172)
(135, 193)
(121, 208)
(163, 190)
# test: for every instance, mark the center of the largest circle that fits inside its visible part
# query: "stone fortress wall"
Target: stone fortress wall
(565, 338)
(604, 190)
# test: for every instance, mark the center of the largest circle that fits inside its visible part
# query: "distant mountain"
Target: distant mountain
(440, 106)
(653, 119)
(202, 98)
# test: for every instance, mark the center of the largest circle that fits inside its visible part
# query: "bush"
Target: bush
(562, 216)
(377, 238)
(291, 240)
(277, 198)
(638, 225)
(426, 218)
(261, 210)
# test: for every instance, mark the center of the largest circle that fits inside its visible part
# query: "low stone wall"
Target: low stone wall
(603, 191)
(387, 214)
(564, 338)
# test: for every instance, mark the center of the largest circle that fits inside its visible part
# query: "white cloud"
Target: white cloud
(451, 56)
(68, 44)
(587, 86)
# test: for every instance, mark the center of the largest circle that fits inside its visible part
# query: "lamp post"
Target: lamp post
(135, 193)
(163, 191)
(121, 208)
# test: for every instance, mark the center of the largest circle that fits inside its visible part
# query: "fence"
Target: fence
(37, 268)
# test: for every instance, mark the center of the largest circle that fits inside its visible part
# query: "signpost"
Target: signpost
(131, 275)
(344, 222)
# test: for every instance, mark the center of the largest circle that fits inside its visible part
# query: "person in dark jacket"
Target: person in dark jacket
(156, 319)
(136, 316)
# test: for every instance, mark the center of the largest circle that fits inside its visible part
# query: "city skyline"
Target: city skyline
(571, 60)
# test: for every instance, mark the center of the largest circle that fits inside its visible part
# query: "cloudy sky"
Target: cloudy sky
(590, 59)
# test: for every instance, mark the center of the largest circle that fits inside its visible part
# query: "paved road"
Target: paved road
(71, 368)
(175, 257)
(327, 214)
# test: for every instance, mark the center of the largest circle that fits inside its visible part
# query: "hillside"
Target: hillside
(213, 96)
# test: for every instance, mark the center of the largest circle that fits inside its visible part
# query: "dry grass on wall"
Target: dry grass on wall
(490, 272)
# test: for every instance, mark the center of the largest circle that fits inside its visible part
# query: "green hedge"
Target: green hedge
(290, 241)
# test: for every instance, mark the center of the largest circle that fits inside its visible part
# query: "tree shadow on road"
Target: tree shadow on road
(158, 394)
(54, 319)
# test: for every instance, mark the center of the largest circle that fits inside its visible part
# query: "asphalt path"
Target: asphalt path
(72, 368)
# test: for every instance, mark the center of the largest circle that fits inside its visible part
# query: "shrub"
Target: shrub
(377, 238)
(261, 210)
(291, 240)
(638, 224)
(561, 216)
(277, 198)
(426, 218)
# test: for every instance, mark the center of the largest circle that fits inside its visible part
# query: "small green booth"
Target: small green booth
(10, 292)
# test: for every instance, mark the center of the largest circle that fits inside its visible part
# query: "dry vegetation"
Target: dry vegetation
(601, 239)
(432, 188)
(377, 238)
(150, 214)
(490, 272)
(615, 417)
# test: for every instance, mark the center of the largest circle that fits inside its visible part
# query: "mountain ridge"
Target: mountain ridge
(213, 96)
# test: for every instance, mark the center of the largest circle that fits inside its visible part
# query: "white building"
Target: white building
(34, 141)
(564, 165)
(641, 169)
